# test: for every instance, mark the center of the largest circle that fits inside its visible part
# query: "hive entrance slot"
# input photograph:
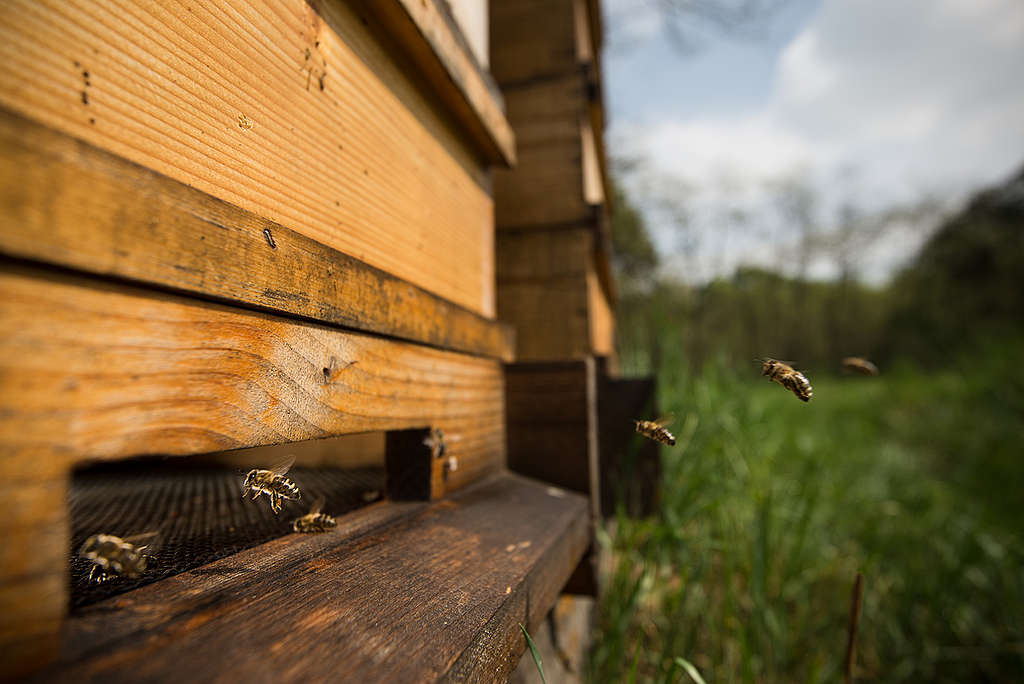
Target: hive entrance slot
(196, 504)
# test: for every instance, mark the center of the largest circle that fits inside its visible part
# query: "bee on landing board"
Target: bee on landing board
(785, 375)
(273, 483)
(435, 440)
(315, 521)
(116, 557)
(855, 364)
(655, 429)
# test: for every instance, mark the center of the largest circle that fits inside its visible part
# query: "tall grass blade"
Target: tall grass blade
(690, 670)
(534, 653)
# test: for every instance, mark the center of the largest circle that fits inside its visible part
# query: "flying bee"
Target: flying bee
(314, 521)
(655, 429)
(114, 556)
(785, 375)
(273, 483)
(856, 364)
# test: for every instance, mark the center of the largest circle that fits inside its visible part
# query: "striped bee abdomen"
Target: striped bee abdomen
(314, 522)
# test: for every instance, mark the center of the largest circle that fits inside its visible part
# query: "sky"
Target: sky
(873, 105)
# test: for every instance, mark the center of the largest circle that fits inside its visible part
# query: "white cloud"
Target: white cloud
(919, 96)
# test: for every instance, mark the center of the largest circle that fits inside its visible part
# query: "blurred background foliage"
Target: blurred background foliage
(769, 507)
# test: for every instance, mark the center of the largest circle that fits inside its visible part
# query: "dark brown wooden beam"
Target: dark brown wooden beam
(436, 595)
(65, 202)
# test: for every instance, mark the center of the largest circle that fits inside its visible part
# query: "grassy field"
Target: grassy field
(771, 506)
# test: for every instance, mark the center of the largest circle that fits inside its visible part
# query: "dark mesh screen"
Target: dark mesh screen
(198, 511)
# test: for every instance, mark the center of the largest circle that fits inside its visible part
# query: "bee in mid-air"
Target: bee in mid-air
(315, 521)
(116, 557)
(785, 375)
(855, 364)
(655, 429)
(273, 483)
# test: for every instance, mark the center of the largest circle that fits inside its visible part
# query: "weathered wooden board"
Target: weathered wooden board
(435, 596)
(548, 184)
(93, 371)
(300, 117)
(549, 289)
(439, 50)
(66, 202)
(531, 39)
(33, 569)
(630, 463)
(552, 423)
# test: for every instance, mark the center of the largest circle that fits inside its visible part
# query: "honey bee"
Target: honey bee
(273, 483)
(435, 440)
(116, 557)
(785, 375)
(314, 521)
(655, 429)
(856, 364)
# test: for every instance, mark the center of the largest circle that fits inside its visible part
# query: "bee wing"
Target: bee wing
(665, 420)
(318, 503)
(283, 465)
(146, 540)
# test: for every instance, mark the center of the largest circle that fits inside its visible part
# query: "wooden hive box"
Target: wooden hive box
(553, 268)
(263, 225)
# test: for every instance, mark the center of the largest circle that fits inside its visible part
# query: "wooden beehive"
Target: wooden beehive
(262, 223)
(569, 412)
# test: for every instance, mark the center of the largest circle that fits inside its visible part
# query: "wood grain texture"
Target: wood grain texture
(93, 371)
(630, 463)
(531, 39)
(552, 423)
(434, 41)
(64, 201)
(436, 596)
(547, 185)
(33, 570)
(264, 105)
(549, 291)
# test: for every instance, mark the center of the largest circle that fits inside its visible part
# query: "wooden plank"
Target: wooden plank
(33, 571)
(228, 99)
(89, 370)
(436, 45)
(600, 314)
(630, 464)
(545, 189)
(434, 596)
(548, 185)
(531, 39)
(543, 291)
(66, 202)
(552, 423)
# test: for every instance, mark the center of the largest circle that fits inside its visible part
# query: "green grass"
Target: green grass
(771, 506)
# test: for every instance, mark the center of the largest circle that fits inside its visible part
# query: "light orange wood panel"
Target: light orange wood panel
(593, 185)
(600, 314)
(438, 47)
(95, 371)
(263, 105)
(581, 24)
(65, 202)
